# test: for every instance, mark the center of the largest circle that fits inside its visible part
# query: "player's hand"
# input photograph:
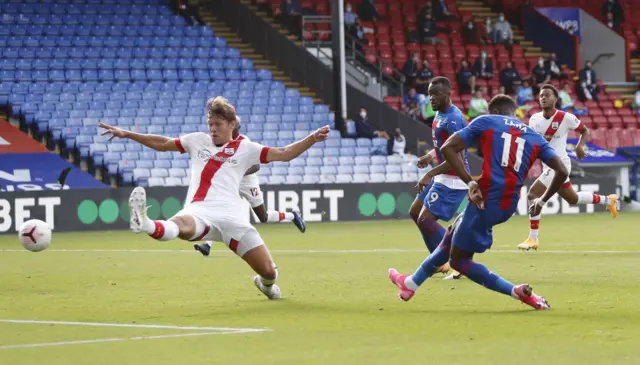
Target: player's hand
(424, 161)
(475, 194)
(321, 134)
(112, 131)
(423, 182)
(580, 152)
(536, 207)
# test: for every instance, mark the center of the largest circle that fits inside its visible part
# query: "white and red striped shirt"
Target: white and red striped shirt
(216, 172)
(556, 129)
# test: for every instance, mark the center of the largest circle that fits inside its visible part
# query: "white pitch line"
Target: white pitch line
(383, 250)
(136, 325)
(80, 342)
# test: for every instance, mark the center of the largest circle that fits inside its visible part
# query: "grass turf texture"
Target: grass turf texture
(338, 307)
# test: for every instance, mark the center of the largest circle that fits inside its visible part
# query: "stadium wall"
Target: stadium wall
(107, 209)
(303, 67)
(598, 39)
(551, 37)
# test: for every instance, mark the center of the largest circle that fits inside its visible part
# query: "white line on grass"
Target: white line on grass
(301, 252)
(80, 342)
(136, 325)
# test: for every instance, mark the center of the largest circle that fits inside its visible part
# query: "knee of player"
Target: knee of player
(269, 271)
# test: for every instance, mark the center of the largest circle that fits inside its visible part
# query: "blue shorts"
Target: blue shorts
(473, 231)
(441, 200)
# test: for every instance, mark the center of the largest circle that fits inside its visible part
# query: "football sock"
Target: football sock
(585, 197)
(432, 232)
(275, 216)
(208, 243)
(164, 230)
(431, 264)
(535, 225)
(482, 275)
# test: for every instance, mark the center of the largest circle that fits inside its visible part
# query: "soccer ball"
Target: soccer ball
(35, 235)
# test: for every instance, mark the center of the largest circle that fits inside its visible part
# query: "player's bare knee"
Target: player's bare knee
(415, 209)
(186, 225)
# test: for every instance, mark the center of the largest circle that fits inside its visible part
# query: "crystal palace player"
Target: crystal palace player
(218, 163)
(555, 125)
(441, 191)
(509, 148)
(250, 191)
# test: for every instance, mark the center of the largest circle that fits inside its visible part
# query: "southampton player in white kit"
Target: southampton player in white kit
(555, 125)
(251, 192)
(218, 164)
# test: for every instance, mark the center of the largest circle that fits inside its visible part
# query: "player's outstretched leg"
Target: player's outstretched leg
(273, 216)
(139, 222)
(408, 284)
(462, 261)
(257, 255)
(610, 201)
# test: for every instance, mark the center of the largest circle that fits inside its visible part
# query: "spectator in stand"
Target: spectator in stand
(187, 11)
(540, 75)
(510, 77)
(349, 15)
(554, 68)
(466, 80)
(441, 11)
(410, 69)
(424, 78)
(410, 104)
(478, 105)
(367, 11)
(399, 142)
(291, 15)
(426, 109)
(471, 34)
(356, 31)
(611, 22)
(566, 101)
(613, 7)
(501, 90)
(487, 34)
(428, 30)
(588, 89)
(502, 32)
(524, 93)
(365, 129)
(483, 67)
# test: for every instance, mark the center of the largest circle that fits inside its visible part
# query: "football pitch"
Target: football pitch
(119, 298)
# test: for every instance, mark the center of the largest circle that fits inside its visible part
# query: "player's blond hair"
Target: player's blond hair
(220, 107)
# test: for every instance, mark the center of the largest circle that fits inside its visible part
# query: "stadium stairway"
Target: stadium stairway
(221, 30)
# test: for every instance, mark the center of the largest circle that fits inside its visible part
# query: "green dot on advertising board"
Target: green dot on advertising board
(154, 210)
(386, 204)
(87, 211)
(367, 204)
(170, 207)
(124, 210)
(403, 203)
(108, 211)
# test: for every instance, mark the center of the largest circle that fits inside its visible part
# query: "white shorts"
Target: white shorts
(548, 173)
(227, 227)
(250, 190)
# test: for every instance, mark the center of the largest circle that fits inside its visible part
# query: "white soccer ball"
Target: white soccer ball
(35, 235)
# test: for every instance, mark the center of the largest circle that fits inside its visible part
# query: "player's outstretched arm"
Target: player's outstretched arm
(555, 163)
(295, 149)
(158, 143)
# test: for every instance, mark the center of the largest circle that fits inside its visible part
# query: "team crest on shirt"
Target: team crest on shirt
(229, 151)
(204, 155)
(555, 125)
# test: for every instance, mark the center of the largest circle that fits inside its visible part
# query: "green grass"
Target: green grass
(338, 308)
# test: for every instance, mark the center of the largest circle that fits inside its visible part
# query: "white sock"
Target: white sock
(164, 230)
(585, 197)
(534, 226)
(208, 243)
(410, 284)
(275, 216)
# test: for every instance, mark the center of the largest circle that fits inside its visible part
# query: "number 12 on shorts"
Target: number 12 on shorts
(506, 151)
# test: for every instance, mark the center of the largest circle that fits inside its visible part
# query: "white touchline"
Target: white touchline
(136, 325)
(80, 342)
(380, 250)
